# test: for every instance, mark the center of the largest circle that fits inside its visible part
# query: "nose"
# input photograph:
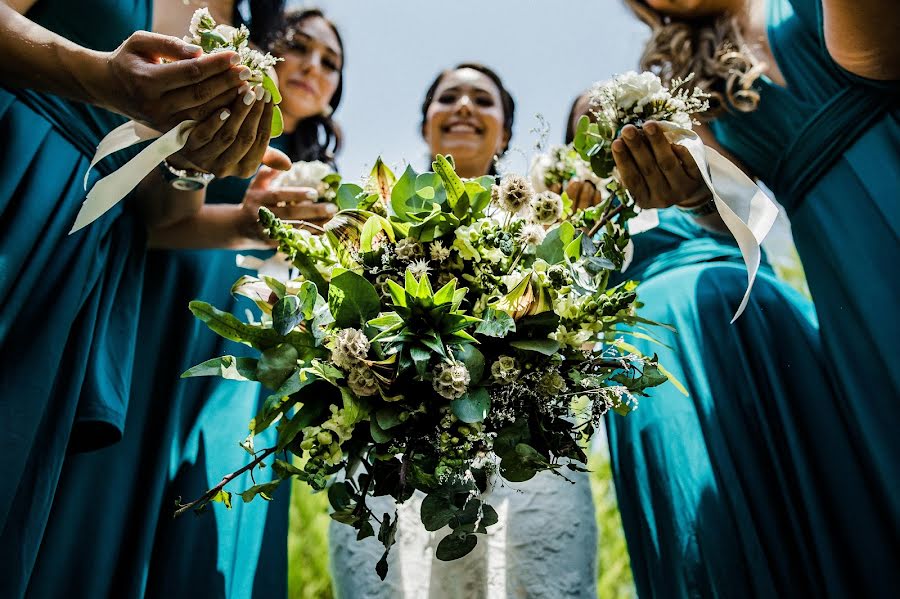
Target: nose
(312, 62)
(464, 104)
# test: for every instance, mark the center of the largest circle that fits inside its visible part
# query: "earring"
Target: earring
(327, 111)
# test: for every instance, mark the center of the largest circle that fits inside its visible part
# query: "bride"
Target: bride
(545, 542)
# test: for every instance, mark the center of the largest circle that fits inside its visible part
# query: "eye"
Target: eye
(447, 98)
(331, 64)
(485, 101)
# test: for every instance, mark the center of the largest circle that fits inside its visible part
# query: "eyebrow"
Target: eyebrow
(307, 37)
(457, 88)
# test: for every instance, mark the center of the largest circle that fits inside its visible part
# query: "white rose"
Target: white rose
(305, 174)
(634, 89)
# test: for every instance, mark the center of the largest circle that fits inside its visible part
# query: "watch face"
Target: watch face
(187, 184)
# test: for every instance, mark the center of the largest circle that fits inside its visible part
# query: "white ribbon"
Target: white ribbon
(109, 190)
(745, 209)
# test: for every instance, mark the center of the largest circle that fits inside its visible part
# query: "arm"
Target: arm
(234, 226)
(862, 36)
(131, 80)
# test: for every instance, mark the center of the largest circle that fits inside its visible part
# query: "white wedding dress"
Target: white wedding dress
(544, 546)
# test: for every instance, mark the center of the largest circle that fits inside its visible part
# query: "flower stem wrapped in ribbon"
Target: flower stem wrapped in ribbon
(635, 98)
(211, 38)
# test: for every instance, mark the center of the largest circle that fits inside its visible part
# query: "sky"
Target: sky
(545, 52)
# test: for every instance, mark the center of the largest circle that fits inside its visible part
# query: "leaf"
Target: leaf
(388, 417)
(365, 531)
(674, 380)
(286, 314)
(339, 495)
(547, 347)
(552, 249)
(404, 190)
(495, 323)
(227, 367)
(456, 191)
(348, 196)
(223, 496)
(651, 376)
(278, 402)
(270, 86)
(420, 358)
(265, 490)
(573, 249)
(289, 428)
(473, 406)
(254, 289)
(228, 326)
(437, 511)
(374, 225)
(309, 271)
(352, 300)
(277, 123)
(455, 546)
(472, 357)
(510, 436)
(284, 469)
(383, 180)
(379, 435)
(276, 365)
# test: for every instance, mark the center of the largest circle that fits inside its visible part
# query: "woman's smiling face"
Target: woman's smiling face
(465, 119)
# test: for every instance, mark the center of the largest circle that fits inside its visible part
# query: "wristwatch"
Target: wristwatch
(705, 209)
(185, 180)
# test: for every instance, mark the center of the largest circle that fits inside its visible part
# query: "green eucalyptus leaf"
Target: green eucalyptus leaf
(276, 364)
(227, 367)
(352, 300)
(473, 406)
(286, 314)
(379, 435)
(472, 357)
(552, 249)
(277, 123)
(455, 546)
(547, 347)
(270, 86)
(348, 196)
(495, 323)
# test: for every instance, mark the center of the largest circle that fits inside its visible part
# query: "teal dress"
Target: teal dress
(748, 487)
(828, 145)
(69, 312)
(181, 437)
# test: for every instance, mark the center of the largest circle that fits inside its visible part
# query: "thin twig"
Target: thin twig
(207, 497)
(605, 219)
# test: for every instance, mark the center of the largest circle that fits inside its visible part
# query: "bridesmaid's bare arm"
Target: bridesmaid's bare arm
(863, 36)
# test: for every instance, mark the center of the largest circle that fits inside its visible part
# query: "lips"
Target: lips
(300, 84)
(463, 127)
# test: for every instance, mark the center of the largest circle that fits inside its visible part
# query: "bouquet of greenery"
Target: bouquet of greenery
(442, 333)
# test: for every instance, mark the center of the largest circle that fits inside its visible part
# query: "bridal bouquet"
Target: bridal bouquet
(442, 334)
(314, 175)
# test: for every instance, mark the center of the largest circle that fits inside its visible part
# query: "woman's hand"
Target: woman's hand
(583, 194)
(658, 174)
(287, 203)
(133, 80)
(233, 141)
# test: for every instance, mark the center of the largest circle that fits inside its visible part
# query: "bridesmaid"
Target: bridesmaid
(68, 319)
(723, 493)
(814, 113)
(181, 435)
(545, 543)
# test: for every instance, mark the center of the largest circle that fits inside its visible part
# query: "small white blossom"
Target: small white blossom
(438, 252)
(305, 174)
(418, 268)
(532, 234)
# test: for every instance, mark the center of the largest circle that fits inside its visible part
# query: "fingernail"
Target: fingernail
(193, 48)
(617, 146)
(259, 91)
(331, 208)
(243, 89)
(629, 133)
(244, 73)
(225, 114)
(235, 58)
(651, 128)
(268, 96)
(249, 97)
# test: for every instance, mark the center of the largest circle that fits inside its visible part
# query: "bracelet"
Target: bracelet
(185, 180)
(705, 209)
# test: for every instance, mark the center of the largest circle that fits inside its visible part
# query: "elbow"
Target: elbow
(872, 62)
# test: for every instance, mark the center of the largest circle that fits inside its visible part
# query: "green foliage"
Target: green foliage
(352, 300)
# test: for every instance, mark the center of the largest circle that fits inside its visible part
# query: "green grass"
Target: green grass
(308, 574)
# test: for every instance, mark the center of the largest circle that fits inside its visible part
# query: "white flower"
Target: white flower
(532, 234)
(540, 165)
(200, 21)
(438, 252)
(451, 379)
(278, 266)
(349, 348)
(515, 193)
(305, 174)
(418, 268)
(633, 90)
(546, 208)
